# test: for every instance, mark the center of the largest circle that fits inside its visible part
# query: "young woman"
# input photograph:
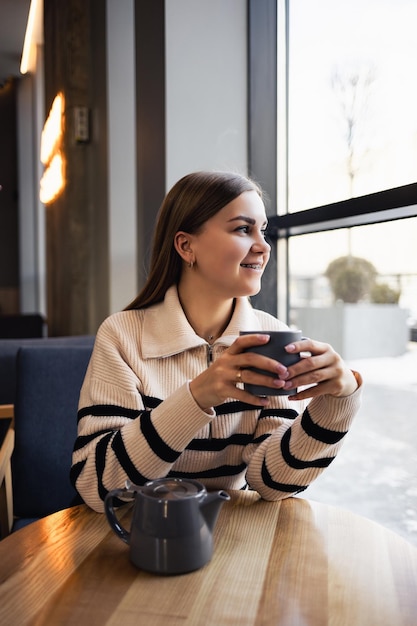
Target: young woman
(163, 393)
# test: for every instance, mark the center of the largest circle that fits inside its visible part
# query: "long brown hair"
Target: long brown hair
(192, 201)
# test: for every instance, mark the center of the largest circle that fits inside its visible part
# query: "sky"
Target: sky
(329, 34)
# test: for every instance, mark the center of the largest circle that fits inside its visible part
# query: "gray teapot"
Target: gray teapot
(172, 524)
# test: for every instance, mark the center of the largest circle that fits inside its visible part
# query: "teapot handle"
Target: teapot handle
(115, 524)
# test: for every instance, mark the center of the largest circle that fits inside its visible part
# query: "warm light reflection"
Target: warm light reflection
(31, 34)
(53, 179)
(52, 130)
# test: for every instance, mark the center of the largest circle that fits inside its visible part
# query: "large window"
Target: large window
(352, 121)
(344, 187)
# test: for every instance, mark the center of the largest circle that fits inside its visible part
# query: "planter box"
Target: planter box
(357, 331)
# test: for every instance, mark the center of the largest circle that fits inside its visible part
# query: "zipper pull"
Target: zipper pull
(209, 354)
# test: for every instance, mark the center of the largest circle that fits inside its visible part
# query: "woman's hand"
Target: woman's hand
(220, 380)
(324, 369)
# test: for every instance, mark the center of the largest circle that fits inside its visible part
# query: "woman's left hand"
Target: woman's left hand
(323, 368)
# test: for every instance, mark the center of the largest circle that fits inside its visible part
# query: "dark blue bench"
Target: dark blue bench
(8, 354)
(43, 378)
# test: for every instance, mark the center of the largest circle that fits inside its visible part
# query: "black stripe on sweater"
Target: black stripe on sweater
(75, 471)
(270, 412)
(237, 406)
(273, 484)
(234, 407)
(318, 432)
(295, 463)
(101, 453)
(83, 440)
(108, 410)
(123, 458)
(150, 402)
(216, 445)
(223, 470)
(155, 442)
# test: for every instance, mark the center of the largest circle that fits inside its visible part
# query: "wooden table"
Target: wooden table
(294, 562)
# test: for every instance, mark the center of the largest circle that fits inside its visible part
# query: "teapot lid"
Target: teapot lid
(172, 488)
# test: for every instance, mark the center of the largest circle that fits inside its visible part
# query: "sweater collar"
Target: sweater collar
(166, 330)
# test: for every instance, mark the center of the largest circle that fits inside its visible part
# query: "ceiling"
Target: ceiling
(13, 19)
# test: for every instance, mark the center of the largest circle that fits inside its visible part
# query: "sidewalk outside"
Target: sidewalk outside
(375, 473)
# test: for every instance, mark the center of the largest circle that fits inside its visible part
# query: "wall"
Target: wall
(191, 81)
(98, 230)
(32, 251)
(76, 221)
(206, 86)
(120, 38)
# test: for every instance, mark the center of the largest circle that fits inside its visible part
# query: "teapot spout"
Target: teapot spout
(211, 505)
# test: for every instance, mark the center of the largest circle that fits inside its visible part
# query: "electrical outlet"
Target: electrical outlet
(81, 124)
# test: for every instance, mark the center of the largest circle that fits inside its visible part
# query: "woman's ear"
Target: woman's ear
(183, 245)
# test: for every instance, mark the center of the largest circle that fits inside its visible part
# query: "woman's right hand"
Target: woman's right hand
(219, 381)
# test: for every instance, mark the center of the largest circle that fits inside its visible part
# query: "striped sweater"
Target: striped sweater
(138, 420)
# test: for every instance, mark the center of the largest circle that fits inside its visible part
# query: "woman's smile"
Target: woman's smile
(252, 266)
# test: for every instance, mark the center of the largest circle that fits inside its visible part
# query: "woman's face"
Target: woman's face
(230, 252)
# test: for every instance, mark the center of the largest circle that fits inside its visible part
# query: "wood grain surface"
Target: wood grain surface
(292, 563)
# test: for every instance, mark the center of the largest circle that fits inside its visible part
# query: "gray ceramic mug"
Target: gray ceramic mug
(275, 350)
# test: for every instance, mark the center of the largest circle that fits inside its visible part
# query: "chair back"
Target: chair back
(49, 380)
(8, 353)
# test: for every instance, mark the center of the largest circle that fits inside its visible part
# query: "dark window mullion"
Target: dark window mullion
(387, 205)
(262, 123)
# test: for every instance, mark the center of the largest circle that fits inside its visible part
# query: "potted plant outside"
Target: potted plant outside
(365, 321)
